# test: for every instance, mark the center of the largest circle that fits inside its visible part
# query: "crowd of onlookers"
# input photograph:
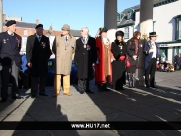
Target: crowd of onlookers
(164, 66)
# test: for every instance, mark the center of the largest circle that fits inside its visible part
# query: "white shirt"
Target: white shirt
(12, 34)
(38, 36)
(105, 41)
(85, 38)
(154, 48)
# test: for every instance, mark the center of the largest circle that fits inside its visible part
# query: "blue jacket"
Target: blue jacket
(148, 56)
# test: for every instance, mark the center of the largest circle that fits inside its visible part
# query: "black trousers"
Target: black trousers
(83, 84)
(34, 85)
(150, 70)
(9, 74)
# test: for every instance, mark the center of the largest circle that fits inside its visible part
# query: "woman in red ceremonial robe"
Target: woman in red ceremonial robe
(103, 68)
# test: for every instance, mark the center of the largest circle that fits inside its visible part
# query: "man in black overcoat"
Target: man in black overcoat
(85, 57)
(10, 59)
(37, 53)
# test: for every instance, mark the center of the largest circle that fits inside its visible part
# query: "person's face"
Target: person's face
(39, 30)
(83, 32)
(153, 38)
(65, 32)
(138, 36)
(12, 28)
(119, 38)
(104, 34)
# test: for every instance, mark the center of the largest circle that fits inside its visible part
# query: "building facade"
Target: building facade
(166, 23)
(25, 29)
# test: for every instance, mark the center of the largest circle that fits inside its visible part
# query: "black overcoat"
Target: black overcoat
(118, 67)
(9, 51)
(85, 57)
(38, 54)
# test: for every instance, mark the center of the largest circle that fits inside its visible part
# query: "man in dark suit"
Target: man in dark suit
(150, 48)
(37, 53)
(10, 59)
(85, 57)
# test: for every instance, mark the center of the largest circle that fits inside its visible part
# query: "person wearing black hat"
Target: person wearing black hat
(150, 48)
(37, 53)
(10, 59)
(103, 67)
(118, 65)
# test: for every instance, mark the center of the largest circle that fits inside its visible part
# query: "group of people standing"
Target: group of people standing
(91, 55)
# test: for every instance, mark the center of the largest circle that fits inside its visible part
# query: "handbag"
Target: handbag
(128, 64)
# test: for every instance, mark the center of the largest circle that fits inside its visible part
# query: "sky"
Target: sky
(76, 13)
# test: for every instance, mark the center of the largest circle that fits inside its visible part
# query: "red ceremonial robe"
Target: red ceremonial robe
(103, 70)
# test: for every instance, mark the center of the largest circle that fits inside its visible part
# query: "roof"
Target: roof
(136, 8)
(25, 25)
(75, 33)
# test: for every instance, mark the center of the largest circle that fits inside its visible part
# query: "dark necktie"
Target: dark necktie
(39, 38)
(66, 39)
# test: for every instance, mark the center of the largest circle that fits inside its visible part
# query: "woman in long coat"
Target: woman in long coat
(118, 65)
(133, 52)
(103, 67)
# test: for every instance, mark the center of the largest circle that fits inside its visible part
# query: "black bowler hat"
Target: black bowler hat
(102, 29)
(120, 33)
(10, 22)
(152, 34)
(39, 25)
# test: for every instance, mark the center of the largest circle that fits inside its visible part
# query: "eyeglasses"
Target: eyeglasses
(81, 30)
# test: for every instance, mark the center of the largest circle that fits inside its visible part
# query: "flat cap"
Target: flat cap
(66, 27)
(10, 22)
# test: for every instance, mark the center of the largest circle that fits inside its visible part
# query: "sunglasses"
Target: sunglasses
(81, 30)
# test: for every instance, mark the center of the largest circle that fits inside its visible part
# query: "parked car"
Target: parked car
(50, 77)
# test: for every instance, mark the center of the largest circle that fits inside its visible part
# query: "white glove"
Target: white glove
(97, 62)
(134, 57)
(151, 50)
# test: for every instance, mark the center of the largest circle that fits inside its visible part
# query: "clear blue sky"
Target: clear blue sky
(76, 13)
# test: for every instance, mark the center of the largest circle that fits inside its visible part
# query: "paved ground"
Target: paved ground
(139, 104)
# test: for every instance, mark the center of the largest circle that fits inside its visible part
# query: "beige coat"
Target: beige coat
(63, 54)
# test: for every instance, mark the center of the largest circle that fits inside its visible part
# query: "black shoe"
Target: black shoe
(89, 91)
(4, 100)
(105, 89)
(33, 96)
(17, 97)
(153, 86)
(43, 94)
(121, 88)
(81, 92)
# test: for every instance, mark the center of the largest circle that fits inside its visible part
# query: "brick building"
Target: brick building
(25, 29)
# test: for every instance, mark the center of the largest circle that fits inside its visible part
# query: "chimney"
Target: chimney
(4, 18)
(37, 21)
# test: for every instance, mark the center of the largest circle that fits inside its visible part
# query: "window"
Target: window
(154, 26)
(126, 32)
(129, 15)
(180, 29)
(25, 32)
(118, 17)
